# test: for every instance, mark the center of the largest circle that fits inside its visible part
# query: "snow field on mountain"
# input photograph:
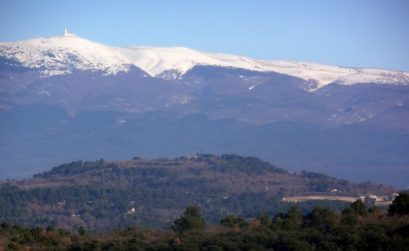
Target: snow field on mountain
(61, 54)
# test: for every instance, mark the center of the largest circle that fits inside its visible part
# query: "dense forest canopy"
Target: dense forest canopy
(102, 194)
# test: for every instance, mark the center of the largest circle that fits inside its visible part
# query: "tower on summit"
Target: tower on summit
(67, 33)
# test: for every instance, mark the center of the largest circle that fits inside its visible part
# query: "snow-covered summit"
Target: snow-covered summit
(59, 55)
(62, 54)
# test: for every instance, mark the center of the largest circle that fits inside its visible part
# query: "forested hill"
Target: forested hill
(153, 192)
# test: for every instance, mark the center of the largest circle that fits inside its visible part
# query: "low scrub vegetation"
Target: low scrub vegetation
(355, 228)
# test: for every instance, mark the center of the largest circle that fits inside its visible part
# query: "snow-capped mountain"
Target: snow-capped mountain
(65, 98)
(61, 54)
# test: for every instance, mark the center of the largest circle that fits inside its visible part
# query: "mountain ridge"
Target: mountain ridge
(58, 55)
(354, 131)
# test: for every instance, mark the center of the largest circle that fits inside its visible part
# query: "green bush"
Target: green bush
(400, 205)
(191, 219)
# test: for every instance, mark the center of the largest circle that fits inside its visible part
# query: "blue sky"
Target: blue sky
(365, 33)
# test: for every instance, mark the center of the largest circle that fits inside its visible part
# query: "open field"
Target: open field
(378, 202)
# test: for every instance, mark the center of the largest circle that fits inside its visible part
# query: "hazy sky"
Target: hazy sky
(364, 33)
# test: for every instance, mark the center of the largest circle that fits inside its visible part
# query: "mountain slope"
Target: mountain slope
(59, 55)
(65, 98)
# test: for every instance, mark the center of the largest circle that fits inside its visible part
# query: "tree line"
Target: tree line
(356, 227)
